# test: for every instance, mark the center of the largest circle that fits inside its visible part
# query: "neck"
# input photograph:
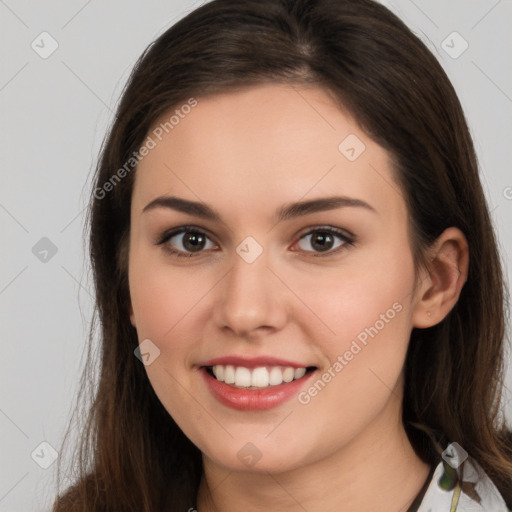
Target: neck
(377, 470)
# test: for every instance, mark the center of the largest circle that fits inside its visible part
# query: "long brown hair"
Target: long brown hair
(132, 455)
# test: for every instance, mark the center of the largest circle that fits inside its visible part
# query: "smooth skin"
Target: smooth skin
(246, 154)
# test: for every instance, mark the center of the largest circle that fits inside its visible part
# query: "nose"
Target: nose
(252, 300)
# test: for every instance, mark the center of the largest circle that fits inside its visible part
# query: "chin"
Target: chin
(256, 458)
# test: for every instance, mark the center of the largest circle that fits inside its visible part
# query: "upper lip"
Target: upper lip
(253, 362)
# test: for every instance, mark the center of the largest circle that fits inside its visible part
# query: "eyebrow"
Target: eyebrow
(287, 212)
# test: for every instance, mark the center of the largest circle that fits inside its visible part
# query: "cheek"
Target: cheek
(369, 310)
(163, 302)
(160, 296)
(358, 294)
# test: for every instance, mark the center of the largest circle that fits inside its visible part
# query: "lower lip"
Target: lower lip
(253, 399)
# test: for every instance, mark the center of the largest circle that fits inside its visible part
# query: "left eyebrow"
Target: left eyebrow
(318, 205)
(284, 213)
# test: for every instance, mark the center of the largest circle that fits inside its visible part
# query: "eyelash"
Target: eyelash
(165, 237)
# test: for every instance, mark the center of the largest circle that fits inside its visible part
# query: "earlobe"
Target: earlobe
(132, 316)
(440, 288)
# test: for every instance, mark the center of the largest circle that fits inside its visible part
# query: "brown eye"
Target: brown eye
(193, 242)
(186, 242)
(323, 240)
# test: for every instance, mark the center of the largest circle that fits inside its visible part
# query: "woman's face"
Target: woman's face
(279, 280)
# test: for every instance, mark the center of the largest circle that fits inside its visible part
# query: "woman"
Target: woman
(300, 294)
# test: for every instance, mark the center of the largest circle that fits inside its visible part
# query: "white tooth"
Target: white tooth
(229, 374)
(276, 376)
(299, 372)
(242, 377)
(288, 374)
(218, 371)
(259, 377)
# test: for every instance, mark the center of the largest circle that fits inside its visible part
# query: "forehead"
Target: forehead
(273, 141)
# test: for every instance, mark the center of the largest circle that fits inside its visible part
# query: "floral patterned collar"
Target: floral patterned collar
(458, 484)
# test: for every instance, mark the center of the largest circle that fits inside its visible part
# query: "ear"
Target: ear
(442, 282)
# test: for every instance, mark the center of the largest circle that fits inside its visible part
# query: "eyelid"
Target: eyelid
(326, 227)
(179, 230)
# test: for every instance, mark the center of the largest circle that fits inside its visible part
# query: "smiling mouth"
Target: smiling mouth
(261, 377)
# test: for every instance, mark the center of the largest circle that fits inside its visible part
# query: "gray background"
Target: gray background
(54, 113)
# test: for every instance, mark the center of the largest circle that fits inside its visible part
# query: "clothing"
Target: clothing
(458, 484)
